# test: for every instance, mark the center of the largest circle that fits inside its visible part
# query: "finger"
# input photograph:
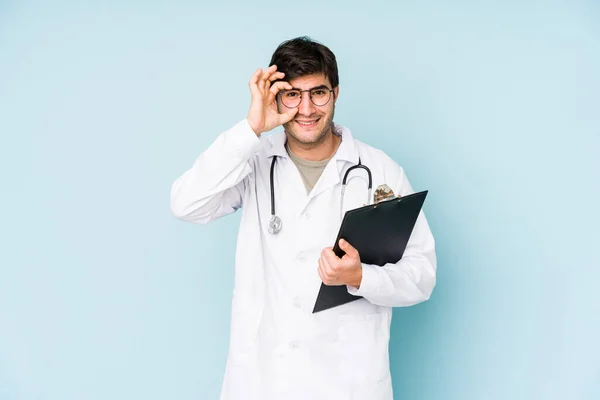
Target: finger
(261, 83)
(256, 75)
(321, 270)
(253, 83)
(264, 76)
(321, 275)
(271, 70)
(331, 263)
(278, 86)
(327, 272)
(276, 76)
(348, 249)
(288, 116)
(329, 256)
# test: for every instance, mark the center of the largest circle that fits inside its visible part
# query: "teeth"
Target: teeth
(306, 123)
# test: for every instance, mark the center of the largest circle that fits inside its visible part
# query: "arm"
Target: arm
(412, 279)
(213, 186)
(407, 282)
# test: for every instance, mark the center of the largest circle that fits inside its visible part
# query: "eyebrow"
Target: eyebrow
(313, 88)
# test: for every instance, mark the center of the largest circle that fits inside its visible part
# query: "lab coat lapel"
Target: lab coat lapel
(332, 175)
(287, 177)
(328, 179)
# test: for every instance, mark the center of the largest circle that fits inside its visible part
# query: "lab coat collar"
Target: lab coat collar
(347, 151)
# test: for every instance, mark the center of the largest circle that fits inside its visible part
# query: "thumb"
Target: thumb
(348, 249)
(288, 115)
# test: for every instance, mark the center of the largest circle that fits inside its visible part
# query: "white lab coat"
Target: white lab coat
(278, 348)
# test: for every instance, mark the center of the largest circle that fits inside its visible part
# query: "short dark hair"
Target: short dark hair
(304, 56)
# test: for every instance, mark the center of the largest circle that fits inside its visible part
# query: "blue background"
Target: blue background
(492, 105)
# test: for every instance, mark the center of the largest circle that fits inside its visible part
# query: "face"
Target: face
(312, 123)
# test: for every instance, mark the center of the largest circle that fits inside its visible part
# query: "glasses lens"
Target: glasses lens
(320, 97)
(290, 98)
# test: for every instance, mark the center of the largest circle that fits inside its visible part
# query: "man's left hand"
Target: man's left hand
(335, 271)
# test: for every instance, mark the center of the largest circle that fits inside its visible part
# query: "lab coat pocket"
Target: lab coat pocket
(364, 340)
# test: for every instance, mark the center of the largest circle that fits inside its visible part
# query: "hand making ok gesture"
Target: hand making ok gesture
(263, 114)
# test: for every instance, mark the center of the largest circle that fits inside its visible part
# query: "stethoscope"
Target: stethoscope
(275, 222)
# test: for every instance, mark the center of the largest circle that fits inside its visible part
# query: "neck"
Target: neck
(322, 150)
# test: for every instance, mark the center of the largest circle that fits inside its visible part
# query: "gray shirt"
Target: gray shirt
(310, 171)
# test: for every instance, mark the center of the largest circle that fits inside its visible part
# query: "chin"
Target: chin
(307, 138)
(307, 133)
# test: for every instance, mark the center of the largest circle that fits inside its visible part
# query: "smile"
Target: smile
(308, 124)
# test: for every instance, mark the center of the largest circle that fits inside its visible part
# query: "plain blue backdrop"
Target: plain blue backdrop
(493, 106)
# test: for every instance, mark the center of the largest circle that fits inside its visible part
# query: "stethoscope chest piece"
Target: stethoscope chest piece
(274, 224)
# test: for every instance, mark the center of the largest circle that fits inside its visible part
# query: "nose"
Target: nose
(306, 106)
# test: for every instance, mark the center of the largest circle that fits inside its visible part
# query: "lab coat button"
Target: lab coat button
(307, 216)
(301, 257)
(294, 345)
(297, 303)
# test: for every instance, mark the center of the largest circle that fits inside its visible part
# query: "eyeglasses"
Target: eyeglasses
(292, 98)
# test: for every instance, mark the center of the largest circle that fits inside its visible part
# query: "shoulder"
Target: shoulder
(377, 156)
(266, 147)
(365, 150)
(392, 170)
(374, 153)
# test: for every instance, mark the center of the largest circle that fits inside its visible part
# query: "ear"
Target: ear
(336, 91)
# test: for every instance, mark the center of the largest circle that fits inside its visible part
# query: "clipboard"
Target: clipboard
(380, 233)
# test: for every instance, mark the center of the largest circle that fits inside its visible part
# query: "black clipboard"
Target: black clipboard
(380, 233)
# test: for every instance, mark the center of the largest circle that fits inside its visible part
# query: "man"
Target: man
(279, 349)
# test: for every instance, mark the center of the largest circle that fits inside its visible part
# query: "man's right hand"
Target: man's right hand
(263, 115)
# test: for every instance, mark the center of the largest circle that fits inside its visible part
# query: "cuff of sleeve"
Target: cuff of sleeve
(369, 283)
(243, 139)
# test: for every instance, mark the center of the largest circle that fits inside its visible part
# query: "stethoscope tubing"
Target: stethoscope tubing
(275, 221)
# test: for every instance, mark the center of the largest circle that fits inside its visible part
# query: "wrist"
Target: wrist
(356, 278)
(254, 126)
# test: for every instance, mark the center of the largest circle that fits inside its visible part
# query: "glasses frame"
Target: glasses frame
(309, 95)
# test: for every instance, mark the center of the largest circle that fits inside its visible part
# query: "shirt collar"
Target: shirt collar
(347, 151)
